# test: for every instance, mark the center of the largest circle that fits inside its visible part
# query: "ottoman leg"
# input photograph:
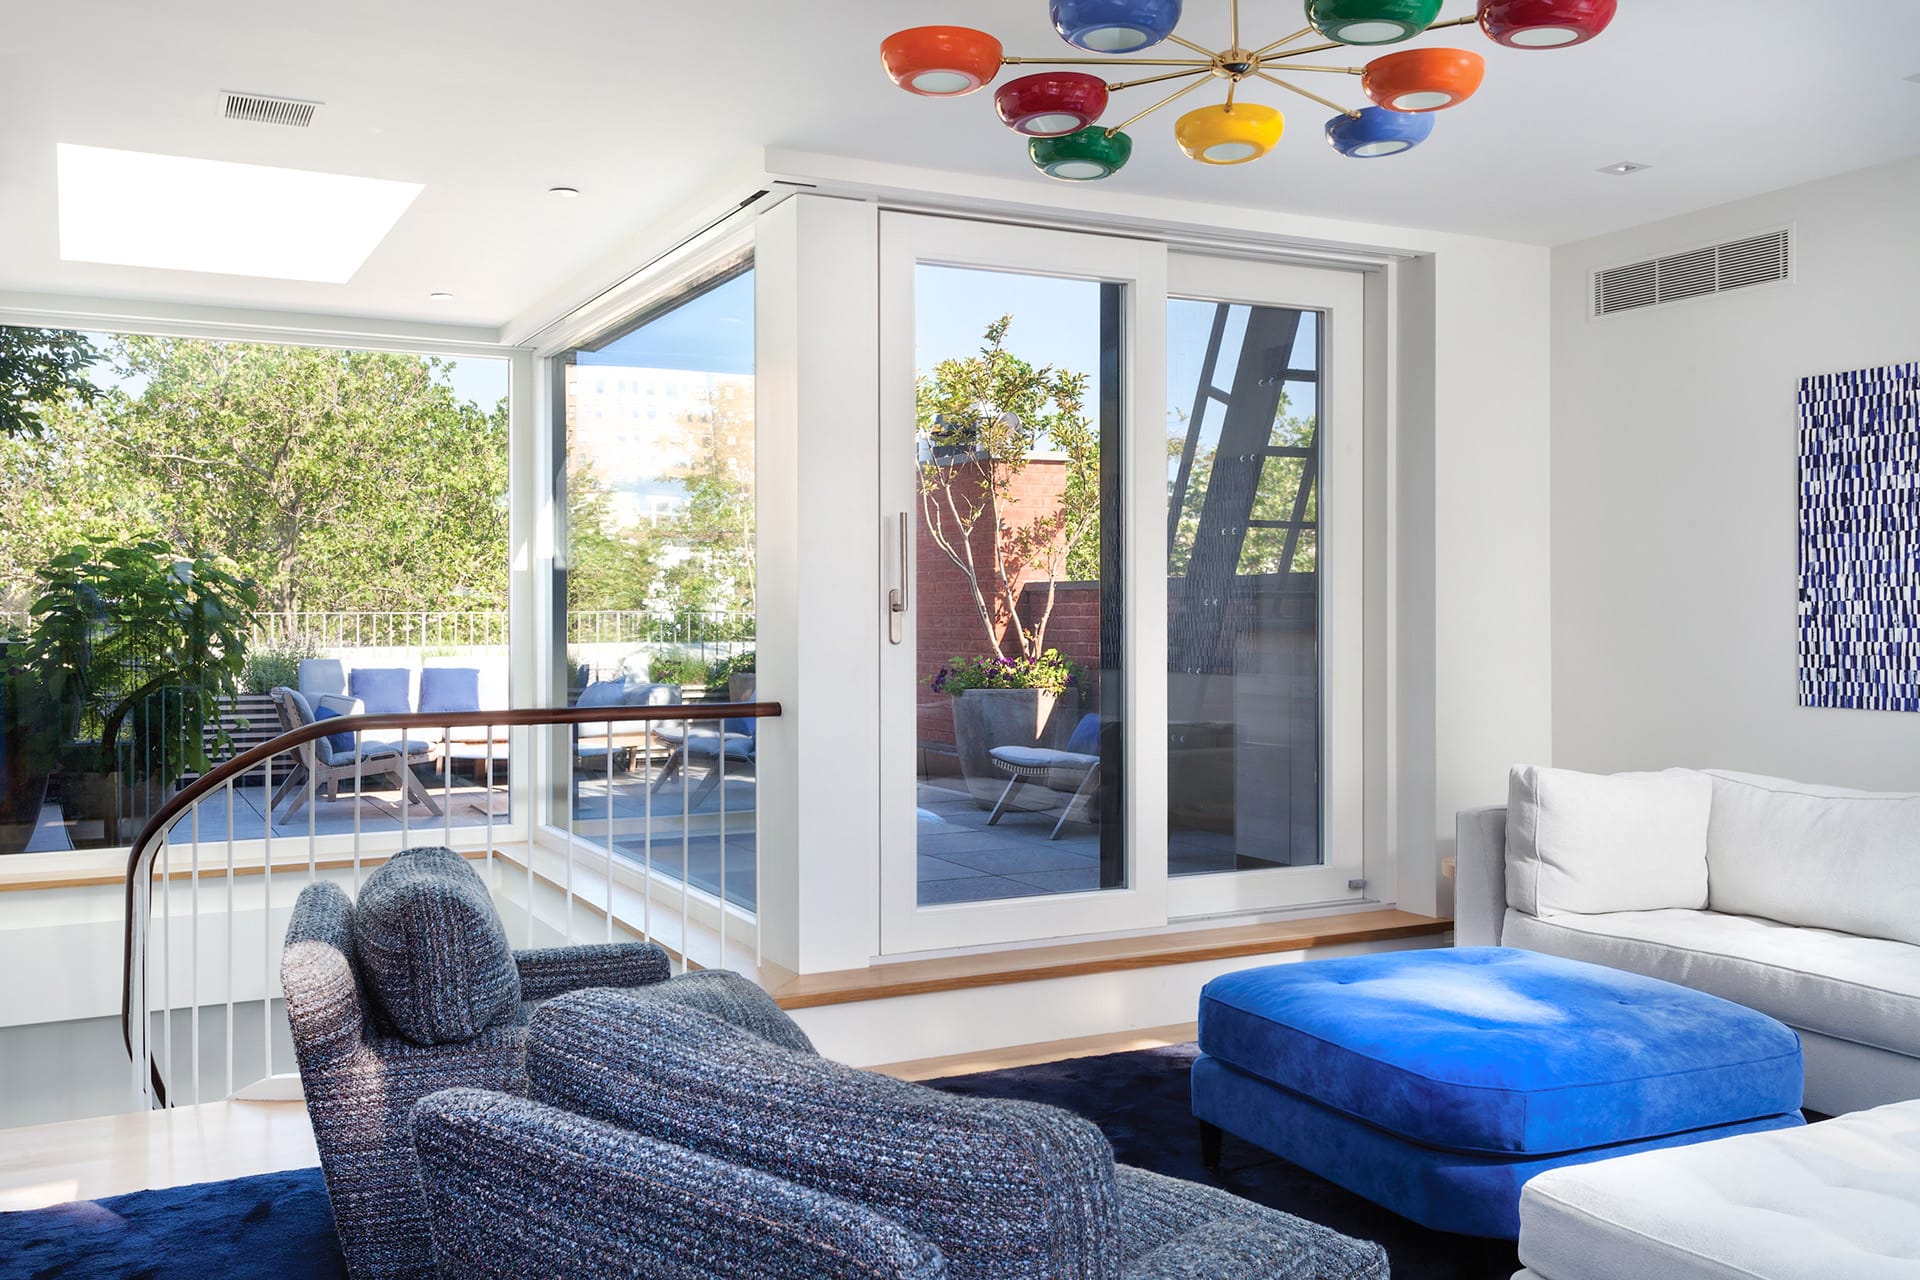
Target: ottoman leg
(1210, 1136)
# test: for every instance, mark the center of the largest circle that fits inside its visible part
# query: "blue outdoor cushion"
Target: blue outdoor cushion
(382, 690)
(449, 688)
(338, 741)
(1488, 1049)
(1086, 736)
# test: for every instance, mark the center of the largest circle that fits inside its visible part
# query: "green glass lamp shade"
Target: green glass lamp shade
(1083, 156)
(1372, 21)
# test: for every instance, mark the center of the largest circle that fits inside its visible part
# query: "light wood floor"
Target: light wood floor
(110, 1155)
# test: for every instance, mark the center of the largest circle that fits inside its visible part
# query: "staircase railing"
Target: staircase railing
(665, 743)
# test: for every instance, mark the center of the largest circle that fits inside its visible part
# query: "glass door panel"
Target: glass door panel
(1008, 374)
(1254, 689)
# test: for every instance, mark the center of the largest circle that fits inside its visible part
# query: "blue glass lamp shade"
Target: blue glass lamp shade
(1378, 132)
(1115, 26)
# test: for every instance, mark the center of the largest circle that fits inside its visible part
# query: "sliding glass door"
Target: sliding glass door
(1012, 368)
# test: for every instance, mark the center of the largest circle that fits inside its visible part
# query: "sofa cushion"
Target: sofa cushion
(1007, 1190)
(1836, 1199)
(1820, 856)
(449, 688)
(383, 690)
(1591, 843)
(432, 948)
(1489, 1049)
(1866, 990)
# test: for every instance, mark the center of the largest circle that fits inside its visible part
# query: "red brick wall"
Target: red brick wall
(948, 619)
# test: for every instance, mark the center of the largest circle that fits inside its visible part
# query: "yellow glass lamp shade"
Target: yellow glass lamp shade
(1230, 133)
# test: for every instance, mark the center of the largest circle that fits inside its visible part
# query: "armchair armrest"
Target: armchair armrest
(1479, 876)
(550, 971)
(318, 979)
(1229, 1249)
(517, 1188)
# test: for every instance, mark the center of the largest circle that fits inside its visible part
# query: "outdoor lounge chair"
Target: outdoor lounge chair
(593, 742)
(323, 762)
(740, 741)
(1078, 765)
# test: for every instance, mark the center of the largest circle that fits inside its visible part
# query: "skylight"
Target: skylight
(138, 209)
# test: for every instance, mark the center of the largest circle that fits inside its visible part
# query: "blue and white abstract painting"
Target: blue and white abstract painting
(1860, 539)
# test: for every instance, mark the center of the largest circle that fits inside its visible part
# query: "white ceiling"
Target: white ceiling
(641, 103)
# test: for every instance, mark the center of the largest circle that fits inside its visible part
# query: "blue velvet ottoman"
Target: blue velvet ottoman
(1436, 1083)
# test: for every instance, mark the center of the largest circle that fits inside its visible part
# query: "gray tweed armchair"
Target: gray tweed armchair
(411, 990)
(658, 1141)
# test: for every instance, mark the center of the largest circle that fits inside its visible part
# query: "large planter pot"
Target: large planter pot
(987, 718)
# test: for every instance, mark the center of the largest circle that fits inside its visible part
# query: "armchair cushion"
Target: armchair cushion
(1167, 1224)
(449, 688)
(432, 949)
(331, 706)
(384, 690)
(548, 971)
(734, 1000)
(514, 1188)
(1008, 1190)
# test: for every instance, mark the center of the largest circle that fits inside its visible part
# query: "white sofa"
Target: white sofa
(1800, 901)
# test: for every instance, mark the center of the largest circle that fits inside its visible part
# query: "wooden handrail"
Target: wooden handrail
(146, 844)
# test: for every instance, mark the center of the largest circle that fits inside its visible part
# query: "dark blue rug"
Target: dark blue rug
(277, 1226)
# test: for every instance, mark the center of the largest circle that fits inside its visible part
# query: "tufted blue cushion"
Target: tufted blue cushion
(449, 688)
(382, 690)
(1086, 736)
(1005, 1190)
(432, 949)
(1487, 1049)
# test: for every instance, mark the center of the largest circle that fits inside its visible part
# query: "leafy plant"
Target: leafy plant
(677, 668)
(140, 631)
(270, 667)
(983, 418)
(1050, 672)
(39, 367)
(724, 669)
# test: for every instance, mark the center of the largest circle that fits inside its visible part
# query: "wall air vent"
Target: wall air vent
(258, 108)
(1717, 268)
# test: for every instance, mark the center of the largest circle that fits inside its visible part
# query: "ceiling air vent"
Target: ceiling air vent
(258, 108)
(1717, 268)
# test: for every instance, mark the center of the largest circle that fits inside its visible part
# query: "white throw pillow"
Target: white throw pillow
(1824, 857)
(1590, 843)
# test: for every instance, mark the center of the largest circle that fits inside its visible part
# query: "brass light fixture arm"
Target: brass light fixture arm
(1118, 85)
(1203, 63)
(1305, 93)
(1338, 71)
(1266, 49)
(1185, 43)
(1181, 92)
(1233, 13)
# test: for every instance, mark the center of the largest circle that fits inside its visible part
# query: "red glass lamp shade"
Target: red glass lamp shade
(940, 62)
(1544, 24)
(1423, 79)
(1051, 103)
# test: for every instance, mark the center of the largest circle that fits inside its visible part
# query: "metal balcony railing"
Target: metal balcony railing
(646, 800)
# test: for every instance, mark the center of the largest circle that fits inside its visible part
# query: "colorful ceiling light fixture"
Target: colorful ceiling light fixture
(1059, 110)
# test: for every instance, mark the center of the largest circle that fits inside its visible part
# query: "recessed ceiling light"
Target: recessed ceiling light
(441, 297)
(140, 209)
(1624, 168)
(565, 193)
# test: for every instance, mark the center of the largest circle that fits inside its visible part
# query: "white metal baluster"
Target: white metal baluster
(166, 966)
(530, 875)
(686, 841)
(759, 954)
(193, 967)
(646, 835)
(406, 801)
(446, 788)
(227, 973)
(137, 994)
(266, 933)
(359, 758)
(313, 814)
(609, 831)
(721, 767)
(573, 789)
(487, 797)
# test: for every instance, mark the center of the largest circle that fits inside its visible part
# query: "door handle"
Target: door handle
(898, 599)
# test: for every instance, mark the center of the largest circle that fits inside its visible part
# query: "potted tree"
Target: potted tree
(138, 640)
(984, 420)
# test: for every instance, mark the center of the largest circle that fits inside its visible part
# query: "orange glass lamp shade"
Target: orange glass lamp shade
(1229, 134)
(1423, 79)
(940, 62)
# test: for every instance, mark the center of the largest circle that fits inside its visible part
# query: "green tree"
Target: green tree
(607, 567)
(983, 417)
(335, 479)
(38, 368)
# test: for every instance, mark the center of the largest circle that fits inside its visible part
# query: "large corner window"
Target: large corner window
(188, 525)
(657, 583)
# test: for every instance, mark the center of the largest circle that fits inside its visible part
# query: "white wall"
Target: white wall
(1674, 490)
